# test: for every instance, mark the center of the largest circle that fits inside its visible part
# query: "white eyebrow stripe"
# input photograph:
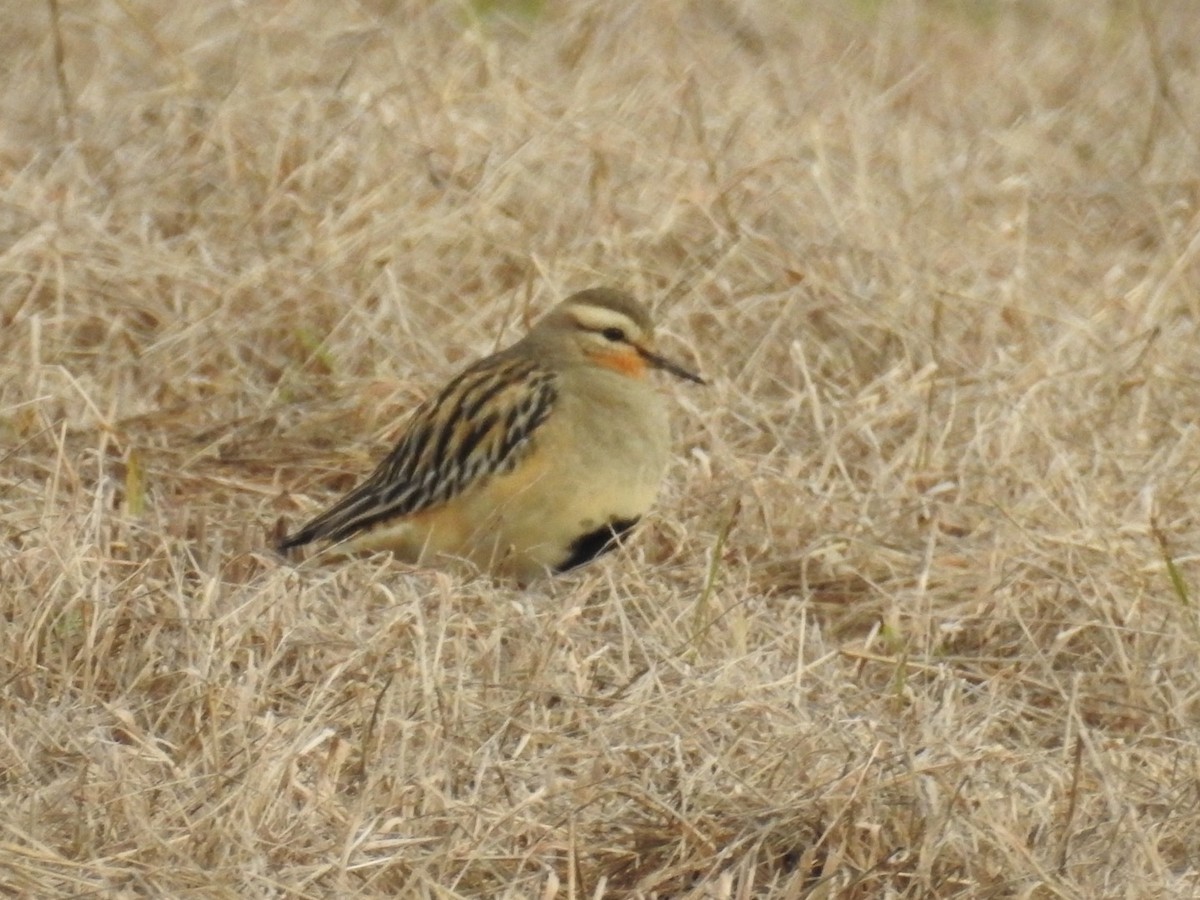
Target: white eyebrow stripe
(596, 318)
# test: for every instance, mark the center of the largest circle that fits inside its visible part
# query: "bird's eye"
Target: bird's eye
(614, 334)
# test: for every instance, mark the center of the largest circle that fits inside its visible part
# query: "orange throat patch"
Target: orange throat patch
(628, 362)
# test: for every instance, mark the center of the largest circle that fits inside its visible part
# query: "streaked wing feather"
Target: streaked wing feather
(482, 424)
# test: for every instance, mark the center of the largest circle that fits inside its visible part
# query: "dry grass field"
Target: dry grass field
(916, 614)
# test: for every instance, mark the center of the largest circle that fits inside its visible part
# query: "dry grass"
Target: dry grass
(917, 615)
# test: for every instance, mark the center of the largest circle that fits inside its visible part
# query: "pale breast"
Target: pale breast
(597, 463)
(619, 441)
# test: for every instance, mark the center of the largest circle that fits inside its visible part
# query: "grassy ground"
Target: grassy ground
(916, 616)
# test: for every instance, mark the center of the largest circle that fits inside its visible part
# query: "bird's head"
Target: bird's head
(609, 328)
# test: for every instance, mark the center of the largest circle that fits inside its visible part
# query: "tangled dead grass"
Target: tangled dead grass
(916, 616)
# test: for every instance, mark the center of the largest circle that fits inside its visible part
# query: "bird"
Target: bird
(536, 459)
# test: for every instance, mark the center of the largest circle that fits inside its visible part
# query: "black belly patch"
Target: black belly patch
(595, 543)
